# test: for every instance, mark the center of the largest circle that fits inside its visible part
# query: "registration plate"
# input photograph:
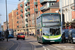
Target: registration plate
(52, 41)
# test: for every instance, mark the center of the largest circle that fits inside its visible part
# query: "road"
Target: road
(30, 43)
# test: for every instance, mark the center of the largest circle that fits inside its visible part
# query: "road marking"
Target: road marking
(55, 47)
(34, 47)
(44, 47)
(48, 49)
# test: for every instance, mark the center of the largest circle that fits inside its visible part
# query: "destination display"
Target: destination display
(50, 18)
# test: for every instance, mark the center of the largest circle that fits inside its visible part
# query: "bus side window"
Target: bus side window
(38, 32)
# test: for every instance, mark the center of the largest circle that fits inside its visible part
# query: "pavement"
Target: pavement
(30, 43)
(4, 45)
(14, 44)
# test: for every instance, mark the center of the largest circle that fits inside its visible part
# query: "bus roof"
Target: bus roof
(46, 14)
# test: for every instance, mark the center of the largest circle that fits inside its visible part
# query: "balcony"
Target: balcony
(26, 25)
(17, 26)
(21, 10)
(25, 3)
(28, 7)
(21, 15)
(36, 10)
(17, 21)
(17, 13)
(28, 13)
(16, 8)
(35, 3)
(45, 7)
(42, 1)
(21, 5)
(28, 1)
(26, 20)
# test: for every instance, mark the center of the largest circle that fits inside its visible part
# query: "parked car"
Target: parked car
(65, 35)
(72, 35)
(21, 36)
(1, 36)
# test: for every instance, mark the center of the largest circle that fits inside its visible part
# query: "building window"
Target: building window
(17, 26)
(17, 17)
(17, 21)
(33, 22)
(23, 27)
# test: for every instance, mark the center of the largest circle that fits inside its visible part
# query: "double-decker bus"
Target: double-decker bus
(48, 27)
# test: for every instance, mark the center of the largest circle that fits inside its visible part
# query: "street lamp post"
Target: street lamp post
(6, 20)
(61, 15)
(0, 19)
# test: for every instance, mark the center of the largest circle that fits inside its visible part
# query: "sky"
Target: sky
(11, 5)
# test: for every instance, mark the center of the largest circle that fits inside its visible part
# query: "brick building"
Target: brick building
(12, 20)
(33, 8)
(16, 19)
(20, 17)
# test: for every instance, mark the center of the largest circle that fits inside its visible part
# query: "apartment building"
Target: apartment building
(46, 6)
(20, 17)
(68, 7)
(33, 8)
(16, 19)
(13, 21)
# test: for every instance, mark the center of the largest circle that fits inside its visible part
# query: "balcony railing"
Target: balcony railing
(16, 8)
(21, 10)
(26, 25)
(17, 13)
(45, 7)
(36, 10)
(42, 1)
(21, 5)
(25, 3)
(28, 7)
(17, 26)
(28, 13)
(26, 20)
(35, 3)
(28, 1)
(21, 15)
(17, 21)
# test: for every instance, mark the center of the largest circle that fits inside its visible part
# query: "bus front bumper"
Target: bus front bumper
(52, 40)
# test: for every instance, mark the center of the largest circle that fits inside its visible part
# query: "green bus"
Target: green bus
(48, 27)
